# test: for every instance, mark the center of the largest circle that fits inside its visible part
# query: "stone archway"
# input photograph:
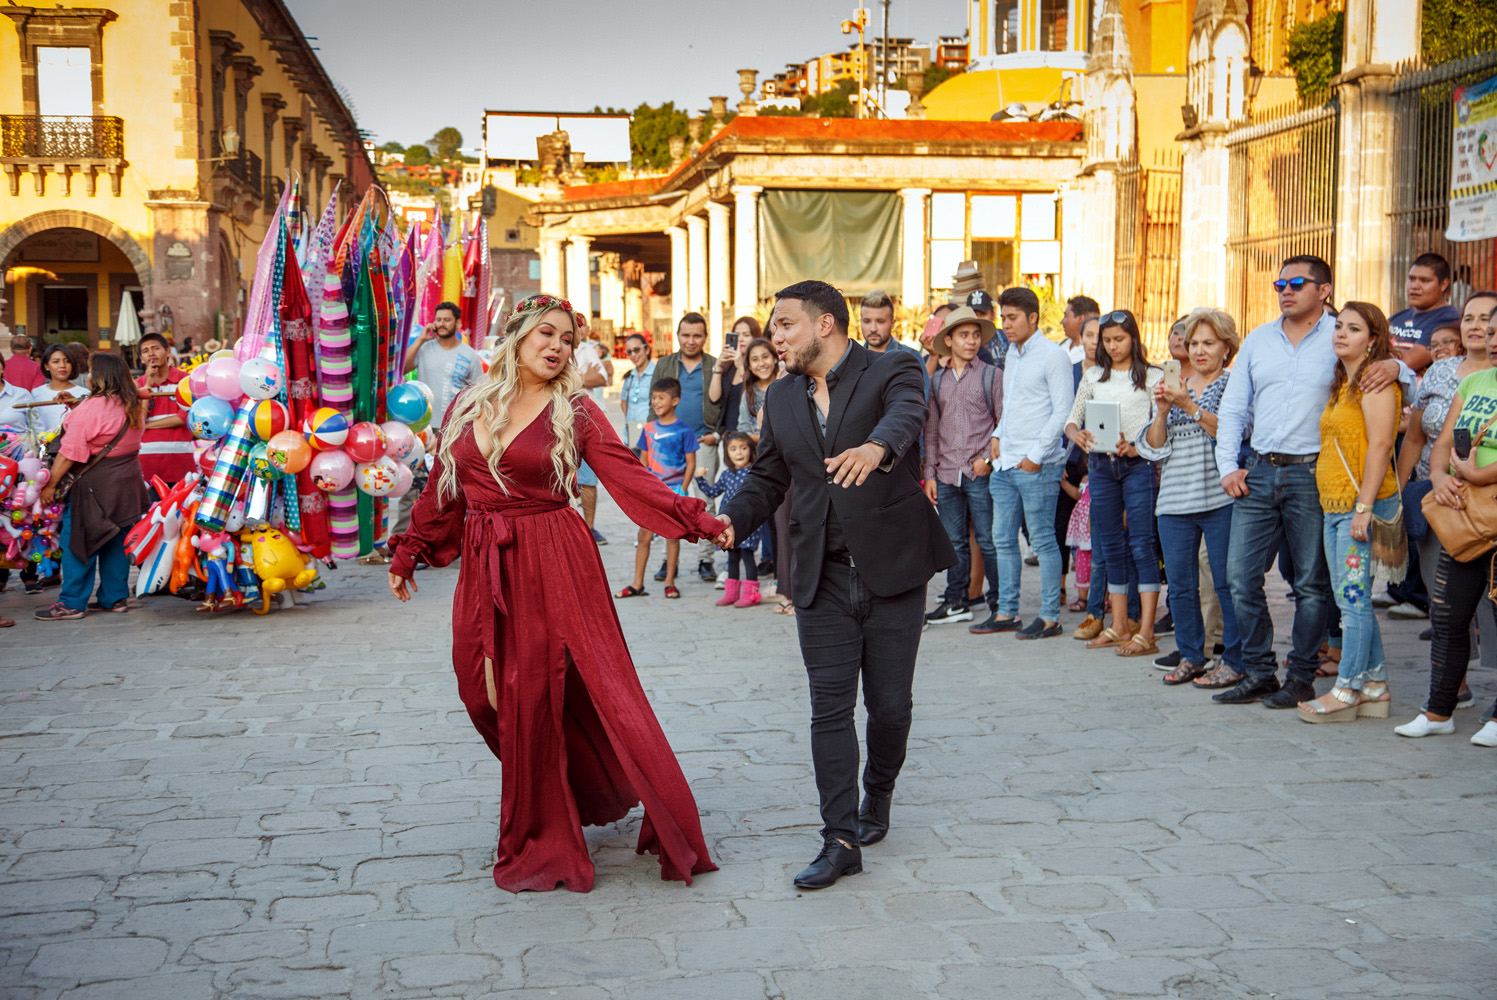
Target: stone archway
(72, 219)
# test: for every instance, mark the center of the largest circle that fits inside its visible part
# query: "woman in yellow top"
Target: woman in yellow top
(1356, 480)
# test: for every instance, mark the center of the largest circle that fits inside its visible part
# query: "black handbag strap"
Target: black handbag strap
(103, 453)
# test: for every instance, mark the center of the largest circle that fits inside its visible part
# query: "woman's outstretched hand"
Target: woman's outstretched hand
(402, 587)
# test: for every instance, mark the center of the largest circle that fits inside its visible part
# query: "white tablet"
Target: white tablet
(1104, 419)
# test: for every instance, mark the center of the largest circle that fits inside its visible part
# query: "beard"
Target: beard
(799, 362)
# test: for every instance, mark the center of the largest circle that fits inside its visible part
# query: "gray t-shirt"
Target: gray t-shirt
(447, 373)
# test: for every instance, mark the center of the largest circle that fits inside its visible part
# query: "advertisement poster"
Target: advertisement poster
(1473, 169)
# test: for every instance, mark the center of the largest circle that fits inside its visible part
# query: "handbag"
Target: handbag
(1389, 541)
(1470, 532)
(70, 478)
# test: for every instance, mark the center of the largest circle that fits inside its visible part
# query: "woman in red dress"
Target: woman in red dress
(543, 670)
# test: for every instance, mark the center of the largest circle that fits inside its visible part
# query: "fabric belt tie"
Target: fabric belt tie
(489, 530)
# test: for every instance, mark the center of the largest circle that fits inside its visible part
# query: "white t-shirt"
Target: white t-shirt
(588, 361)
(447, 373)
(47, 418)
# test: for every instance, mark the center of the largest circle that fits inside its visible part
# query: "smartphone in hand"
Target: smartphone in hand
(1462, 440)
(730, 340)
(1172, 374)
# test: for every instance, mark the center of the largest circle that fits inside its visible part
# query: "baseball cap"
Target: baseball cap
(980, 301)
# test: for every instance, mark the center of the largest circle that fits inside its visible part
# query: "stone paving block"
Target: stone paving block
(1020, 939)
(739, 948)
(1425, 918)
(44, 862)
(514, 930)
(1197, 892)
(1092, 861)
(250, 946)
(192, 853)
(717, 986)
(288, 878)
(202, 916)
(1004, 982)
(1133, 931)
(1288, 925)
(320, 909)
(171, 986)
(1283, 970)
(1150, 977)
(339, 843)
(579, 963)
(29, 894)
(38, 925)
(845, 984)
(426, 972)
(1434, 961)
(89, 960)
(1061, 897)
(274, 982)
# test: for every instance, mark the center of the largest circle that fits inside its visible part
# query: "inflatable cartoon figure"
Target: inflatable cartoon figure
(277, 563)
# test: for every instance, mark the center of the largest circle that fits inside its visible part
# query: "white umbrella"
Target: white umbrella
(127, 327)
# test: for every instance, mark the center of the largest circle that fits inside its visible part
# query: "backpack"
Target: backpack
(989, 373)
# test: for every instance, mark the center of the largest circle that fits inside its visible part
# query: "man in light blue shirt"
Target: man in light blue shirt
(1028, 459)
(1281, 383)
(634, 390)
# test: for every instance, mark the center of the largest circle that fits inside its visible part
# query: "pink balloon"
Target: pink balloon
(197, 381)
(365, 443)
(399, 440)
(223, 380)
(331, 471)
(403, 478)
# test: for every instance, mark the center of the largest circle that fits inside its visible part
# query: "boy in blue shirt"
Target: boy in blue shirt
(668, 448)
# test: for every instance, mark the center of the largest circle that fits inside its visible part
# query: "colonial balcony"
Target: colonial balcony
(63, 145)
(237, 183)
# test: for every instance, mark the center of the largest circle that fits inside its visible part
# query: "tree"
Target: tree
(935, 76)
(1453, 28)
(1314, 52)
(393, 148)
(650, 134)
(417, 156)
(447, 142)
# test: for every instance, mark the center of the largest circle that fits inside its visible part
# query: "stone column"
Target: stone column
(552, 281)
(610, 290)
(719, 291)
(1376, 40)
(579, 276)
(696, 265)
(915, 287)
(680, 275)
(745, 248)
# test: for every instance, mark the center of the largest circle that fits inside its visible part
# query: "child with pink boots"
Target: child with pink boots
(742, 593)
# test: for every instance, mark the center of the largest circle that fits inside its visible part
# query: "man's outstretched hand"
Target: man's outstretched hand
(724, 539)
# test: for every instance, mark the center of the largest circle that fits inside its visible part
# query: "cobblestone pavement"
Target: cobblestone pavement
(296, 806)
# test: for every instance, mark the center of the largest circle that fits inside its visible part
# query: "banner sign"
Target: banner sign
(1473, 168)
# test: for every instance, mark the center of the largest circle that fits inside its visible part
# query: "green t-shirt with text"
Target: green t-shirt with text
(1478, 392)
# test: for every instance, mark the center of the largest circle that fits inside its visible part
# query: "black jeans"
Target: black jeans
(845, 633)
(1460, 587)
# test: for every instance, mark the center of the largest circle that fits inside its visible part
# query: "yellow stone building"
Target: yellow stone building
(143, 146)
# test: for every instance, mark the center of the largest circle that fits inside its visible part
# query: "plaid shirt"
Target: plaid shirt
(959, 421)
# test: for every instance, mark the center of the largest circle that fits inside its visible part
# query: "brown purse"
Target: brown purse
(1388, 541)
(1470, 532)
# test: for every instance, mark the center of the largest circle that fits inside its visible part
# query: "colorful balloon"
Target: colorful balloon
(227, 352)
(403, 480)
(259, 461)
(223, 380)
(331, 471)
(210, 418)
(185, 395)
(398, 439)
(269, 418)
(379, 477)
(326, 429)
(197, 381)
(406, 402)
(417, 458)
(261, 379)
(207, 459)
(366, 442)
(289, 452)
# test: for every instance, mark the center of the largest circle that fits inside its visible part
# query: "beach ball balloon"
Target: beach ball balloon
(289, 452)
(223, 379)
(197, 381)
(326, 429)
(417, 457)
(421, 424)
(269, 418)
(378, 478)
(366, 442)
(261, 379)
(259, 462)
(403, 480)
(398, 439)
(331, 471)
(185, 395)
(226, 352)
(406, 402)
(207, 459)
(210, 418)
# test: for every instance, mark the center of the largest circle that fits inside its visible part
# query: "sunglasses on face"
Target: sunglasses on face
(634, 350)
(1295, 284)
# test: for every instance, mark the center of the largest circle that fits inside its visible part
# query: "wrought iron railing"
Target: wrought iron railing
(64, 137)
(244, 167)
(1146, 273)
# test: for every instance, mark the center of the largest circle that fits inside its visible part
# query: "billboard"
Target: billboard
(511, 135)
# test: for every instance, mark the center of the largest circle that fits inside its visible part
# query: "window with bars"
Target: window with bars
(1006, 27)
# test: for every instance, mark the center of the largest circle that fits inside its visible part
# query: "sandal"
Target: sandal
(1342, 707)
(1376, 698)
(1078, 605)
(1135, 647)
(374, 559)
(1186, 671)
(672, 591)
(6, 622)
(785, 609)
(1222, 676)
(633, 592)
(1108, 637)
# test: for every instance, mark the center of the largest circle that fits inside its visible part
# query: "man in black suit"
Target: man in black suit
(865, 542)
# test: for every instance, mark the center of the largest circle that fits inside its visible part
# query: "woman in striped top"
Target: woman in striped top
(1192, 504)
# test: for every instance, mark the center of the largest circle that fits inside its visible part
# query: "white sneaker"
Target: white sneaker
(1407, 612)
(1487, 736)
(1383, 600)
(1423, 725)
(722, 582)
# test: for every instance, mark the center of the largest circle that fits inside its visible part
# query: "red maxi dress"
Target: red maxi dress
(578, 742)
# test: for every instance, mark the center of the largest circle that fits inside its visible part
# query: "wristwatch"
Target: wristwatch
(1360, 507)
(1196, 416)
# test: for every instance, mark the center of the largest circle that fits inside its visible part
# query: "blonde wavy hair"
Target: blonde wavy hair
(491, 399)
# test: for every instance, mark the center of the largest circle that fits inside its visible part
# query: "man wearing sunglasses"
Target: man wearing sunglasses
(1281, 381)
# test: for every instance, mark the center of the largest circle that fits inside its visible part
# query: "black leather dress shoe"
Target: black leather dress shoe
(832, 863)
(1290, 695)
(873, 818)
(1248, 690)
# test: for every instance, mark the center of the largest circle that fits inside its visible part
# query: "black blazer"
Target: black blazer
(892, 531)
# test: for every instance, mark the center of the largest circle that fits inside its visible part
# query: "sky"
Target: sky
(412, 68)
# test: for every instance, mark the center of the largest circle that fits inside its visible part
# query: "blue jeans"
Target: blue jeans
(1282, 505)
(1096, 595)
(78, 574)
(956, 504)
(1180, 537)
(1125, 485)
(1350, 564)
(1030, 495)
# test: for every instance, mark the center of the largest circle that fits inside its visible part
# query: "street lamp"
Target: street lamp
(858, 22)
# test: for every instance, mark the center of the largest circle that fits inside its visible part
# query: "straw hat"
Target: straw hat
(960, 317)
